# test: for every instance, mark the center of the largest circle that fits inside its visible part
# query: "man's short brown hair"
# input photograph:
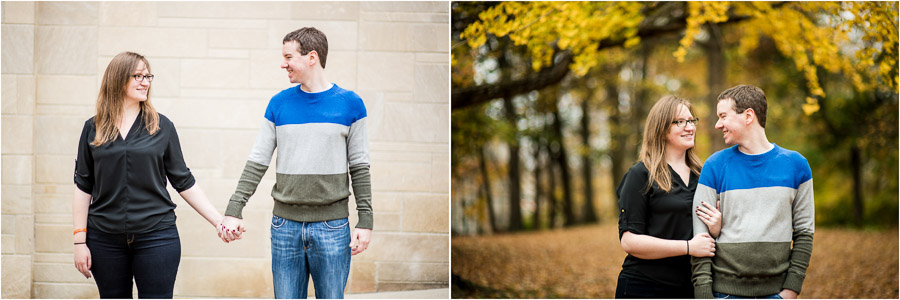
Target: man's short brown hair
(309, 39)
(747, 96)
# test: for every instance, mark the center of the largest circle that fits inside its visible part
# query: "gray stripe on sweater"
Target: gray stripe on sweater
(312, 148)
(760, 215)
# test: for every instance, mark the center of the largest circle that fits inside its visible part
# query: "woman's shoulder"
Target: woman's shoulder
(638, 168)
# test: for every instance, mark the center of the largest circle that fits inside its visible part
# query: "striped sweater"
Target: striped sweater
(766, 202)
(319, 137)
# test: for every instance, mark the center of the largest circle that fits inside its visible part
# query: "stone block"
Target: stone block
(8, 97)
(67, 89)
(238, 38)
(241, 113)
(432, 83)
(215, 73)
(17, 134)
(129, 13)
(406, 17)
(59, 218)
(387, 221)
(16, 199)
(405, 6)
(430, 37)
(62, 258)
(17, 169)
(54, 169)
(266, 72)
(66, 290)
(15, 12)
(166, 77)
(224, 277)
(386, 71)
(59, 273)
(226, 10)
(153, 42)
(441, 58)
(56, 238)
(7, 242)
(16, 271)
(67, 13)
(325, 10)
(405, 122)
(408, 247)
(211, 23)
(9, 225)
(24, 234)
(440, 173)
(342, 35)
(229, 53)
(18, 49)
(66, 50)
(402, 176)
(25, 89)
(341, 69)
(58, 135)
(55, 203)
(362, 277)
(426, 213)
(384, 36)
(387, 201)
(409, 286)
(414, 272)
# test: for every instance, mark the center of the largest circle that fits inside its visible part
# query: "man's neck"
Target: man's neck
(316, 84)
(756, 143)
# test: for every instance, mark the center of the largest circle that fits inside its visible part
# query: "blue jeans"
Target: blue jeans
(301, 249)
(727, 296)
(151, 259)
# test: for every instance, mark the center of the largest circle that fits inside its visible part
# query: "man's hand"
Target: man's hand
(788, 294)
(359, 240)
(231, 229)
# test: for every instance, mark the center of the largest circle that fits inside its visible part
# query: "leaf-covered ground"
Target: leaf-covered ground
(584, 262)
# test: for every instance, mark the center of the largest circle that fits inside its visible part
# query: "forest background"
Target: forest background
(548, 105)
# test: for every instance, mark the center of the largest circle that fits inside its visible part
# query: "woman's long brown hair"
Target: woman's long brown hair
(111, 100)
(653, 147)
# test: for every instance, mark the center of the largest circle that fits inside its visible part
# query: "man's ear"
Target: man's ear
(313, 57)
(749, 115)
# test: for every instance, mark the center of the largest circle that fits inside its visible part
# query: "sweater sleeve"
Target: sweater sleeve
(701, 267)
(804, 225)
(257, 164)
(358, 159)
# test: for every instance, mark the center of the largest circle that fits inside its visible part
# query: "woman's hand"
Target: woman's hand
(702, 245)
(711, 216)
(83, 260)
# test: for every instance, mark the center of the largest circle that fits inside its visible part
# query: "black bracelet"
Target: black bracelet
(688, 246)
(79, 243)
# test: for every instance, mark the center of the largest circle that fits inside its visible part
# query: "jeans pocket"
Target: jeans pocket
(336, 224)
(277, 222)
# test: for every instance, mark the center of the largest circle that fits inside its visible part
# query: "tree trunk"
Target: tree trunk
(855, 168)
(618, 137)
(515, 190)
(486, 189)
(590, 214)
(561, 157)
(715, 80)
(538, 187)
(551, 189)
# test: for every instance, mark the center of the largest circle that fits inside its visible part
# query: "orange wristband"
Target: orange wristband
(79, 230)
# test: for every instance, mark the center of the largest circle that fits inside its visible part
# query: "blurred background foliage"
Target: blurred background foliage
(549, 100)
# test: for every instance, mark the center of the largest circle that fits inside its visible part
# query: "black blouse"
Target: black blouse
(658, 214)
(127, 178)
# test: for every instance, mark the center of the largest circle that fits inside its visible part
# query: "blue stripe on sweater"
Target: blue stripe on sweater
(335, 105)
(730, 169)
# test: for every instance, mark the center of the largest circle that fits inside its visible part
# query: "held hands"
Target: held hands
(359, 240)
(230, 229)
(702, 245)
(711, 216)
(788, 294)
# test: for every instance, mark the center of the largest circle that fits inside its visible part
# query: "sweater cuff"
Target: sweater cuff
(703, 292)
(793, 282)
(365, 220)
(234, 209)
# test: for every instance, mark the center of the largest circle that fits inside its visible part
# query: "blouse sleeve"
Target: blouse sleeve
(633, 201)
(84, 161)
(176, 169)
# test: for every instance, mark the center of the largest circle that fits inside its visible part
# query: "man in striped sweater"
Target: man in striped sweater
(319, 130)
(766, 199)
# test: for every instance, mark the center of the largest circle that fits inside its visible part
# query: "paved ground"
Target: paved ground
(420, 294)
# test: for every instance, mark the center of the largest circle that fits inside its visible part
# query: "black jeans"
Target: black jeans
(151, 259)
(637, 287)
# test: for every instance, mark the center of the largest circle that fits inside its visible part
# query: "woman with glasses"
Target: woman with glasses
(124, 218)
(655, 215)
